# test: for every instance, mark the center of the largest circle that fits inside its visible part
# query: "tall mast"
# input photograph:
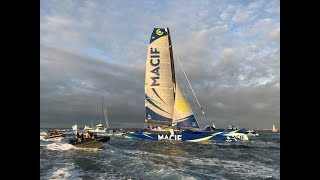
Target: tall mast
(171, 59)
(104, 113)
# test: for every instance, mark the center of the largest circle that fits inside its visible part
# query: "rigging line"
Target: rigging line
(106, 119)
(192, 90)
(102, 109)
(189, 106)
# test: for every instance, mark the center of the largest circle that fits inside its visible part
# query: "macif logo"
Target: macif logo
(155, 62)
(159, 32)
(170, 137)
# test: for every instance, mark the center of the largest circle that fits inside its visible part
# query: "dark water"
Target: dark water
(122, 158)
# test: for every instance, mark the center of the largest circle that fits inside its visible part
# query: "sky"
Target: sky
(230, 51)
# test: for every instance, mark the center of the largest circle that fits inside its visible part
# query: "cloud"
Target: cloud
(230, 51)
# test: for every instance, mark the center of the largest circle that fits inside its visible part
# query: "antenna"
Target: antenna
(102, 105)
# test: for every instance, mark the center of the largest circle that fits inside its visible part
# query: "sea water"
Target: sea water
(122, 158)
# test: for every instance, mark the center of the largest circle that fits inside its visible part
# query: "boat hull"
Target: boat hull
(246, 132)
(243, 131)
(184, 136)
(54, 136)
(94, 144)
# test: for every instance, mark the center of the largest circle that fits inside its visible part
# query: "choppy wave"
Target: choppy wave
(122, 158)
(42, 138)
(58, 146)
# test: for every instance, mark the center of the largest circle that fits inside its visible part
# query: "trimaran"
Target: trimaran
(168, 113)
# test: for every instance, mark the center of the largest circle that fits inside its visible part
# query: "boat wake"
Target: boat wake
(43, 139)
(43, 133)
(57, 139)
(88, 149)
(59, 146)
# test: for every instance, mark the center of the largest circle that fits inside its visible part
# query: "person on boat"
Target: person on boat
(87, 136)
(78, 138)
(90, 135)
(81, 137)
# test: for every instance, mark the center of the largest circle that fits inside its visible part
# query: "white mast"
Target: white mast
(104, 114)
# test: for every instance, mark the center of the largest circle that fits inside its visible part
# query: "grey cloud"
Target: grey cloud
(92, 48)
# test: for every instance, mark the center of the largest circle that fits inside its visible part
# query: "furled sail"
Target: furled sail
(182, 113)
(159, 82)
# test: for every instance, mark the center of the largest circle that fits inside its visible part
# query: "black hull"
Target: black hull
(95, 143)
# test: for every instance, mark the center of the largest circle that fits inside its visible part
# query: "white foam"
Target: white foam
(59, 146)
(61, 174)
(51, 139)
(188, 178)
(88, 149)
(68, 172)
(43, 133)
(42, 138)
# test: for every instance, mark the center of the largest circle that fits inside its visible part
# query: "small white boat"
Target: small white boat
(100, 129)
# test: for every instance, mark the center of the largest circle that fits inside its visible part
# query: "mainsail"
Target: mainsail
(165, 102)
(159, 80)
(168, 113)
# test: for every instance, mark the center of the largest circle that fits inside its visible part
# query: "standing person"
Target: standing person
(92, 135)
(81, 136)
(88, 135)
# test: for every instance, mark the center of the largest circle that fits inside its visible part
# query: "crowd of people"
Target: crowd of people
(54, 133)
(88, 136)
(154, 127)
